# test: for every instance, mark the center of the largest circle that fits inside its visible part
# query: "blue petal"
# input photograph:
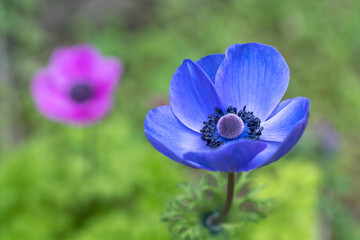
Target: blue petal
(192, 95)
(210, 64)
(228, 158)
(170, 137)
(254, 75)
(286, 117)
(275, 150)
(280, 107)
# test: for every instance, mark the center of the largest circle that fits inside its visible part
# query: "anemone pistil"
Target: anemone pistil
(223, 127)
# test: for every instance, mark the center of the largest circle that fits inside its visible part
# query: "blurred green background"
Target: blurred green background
(107, 182)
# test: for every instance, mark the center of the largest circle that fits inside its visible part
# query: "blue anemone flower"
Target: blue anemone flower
(225, 112)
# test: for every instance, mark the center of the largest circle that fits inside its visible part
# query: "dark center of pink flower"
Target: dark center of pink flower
(81, 92)
(230, 126)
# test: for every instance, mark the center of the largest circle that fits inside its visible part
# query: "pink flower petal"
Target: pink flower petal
(69, 66)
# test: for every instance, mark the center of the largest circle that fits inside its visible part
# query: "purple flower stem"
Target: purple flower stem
(229, 199)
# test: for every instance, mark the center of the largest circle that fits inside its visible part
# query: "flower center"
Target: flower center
(223, 127)
(81, 92)
(230, 126)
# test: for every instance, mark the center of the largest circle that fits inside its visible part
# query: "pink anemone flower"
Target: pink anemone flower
(77, 86)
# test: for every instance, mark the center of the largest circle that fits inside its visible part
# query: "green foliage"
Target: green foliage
(186, 214)
(294, 187)
(293, 205)
(55, 187)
